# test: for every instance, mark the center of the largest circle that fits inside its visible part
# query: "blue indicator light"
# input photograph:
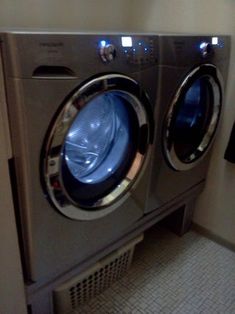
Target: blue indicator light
(102, 43)
(125, 51)
(145, 49)
(140, 43)
(133, 49)
(202, 45)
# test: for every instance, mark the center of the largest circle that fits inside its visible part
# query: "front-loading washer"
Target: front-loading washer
(80, 111)
(192, 78)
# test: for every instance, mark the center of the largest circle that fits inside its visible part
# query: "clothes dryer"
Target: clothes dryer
(192, 76)
(81, 118)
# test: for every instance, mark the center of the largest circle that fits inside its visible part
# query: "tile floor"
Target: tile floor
(173, 275)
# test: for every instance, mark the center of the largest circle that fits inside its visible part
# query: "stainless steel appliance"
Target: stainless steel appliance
(80, 111)
(192, 75)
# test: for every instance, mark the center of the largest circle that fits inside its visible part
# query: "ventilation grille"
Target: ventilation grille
(80, 289)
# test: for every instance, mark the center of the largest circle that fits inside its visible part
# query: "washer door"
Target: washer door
(97, 146)
(193, 117)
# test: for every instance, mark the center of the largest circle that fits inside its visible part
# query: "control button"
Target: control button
(206, 49)
(107, 53)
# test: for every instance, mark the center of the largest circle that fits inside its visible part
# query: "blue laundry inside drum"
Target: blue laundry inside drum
(97, 142)
(191, 109)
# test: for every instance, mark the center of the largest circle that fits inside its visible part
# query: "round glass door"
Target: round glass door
(193, 117)
(97, 146)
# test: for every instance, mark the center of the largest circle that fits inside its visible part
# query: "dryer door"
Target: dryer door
(193, 117)
(97, 146)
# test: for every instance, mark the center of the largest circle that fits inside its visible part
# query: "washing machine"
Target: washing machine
(192, 78)
(81, 117)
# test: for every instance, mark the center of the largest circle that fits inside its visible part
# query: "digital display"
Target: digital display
(126, 41)
(214, 40)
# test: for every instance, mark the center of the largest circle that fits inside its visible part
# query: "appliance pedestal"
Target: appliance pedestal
(180, 220)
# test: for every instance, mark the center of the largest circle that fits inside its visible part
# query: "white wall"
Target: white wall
(215, 209)
(187, 16)
(83, 15)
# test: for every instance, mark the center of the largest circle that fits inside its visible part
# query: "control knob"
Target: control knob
(107, 53)
(206, 49)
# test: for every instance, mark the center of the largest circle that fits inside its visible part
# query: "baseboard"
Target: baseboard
(212, 236)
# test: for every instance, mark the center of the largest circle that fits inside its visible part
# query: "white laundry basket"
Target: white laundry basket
(80, 289)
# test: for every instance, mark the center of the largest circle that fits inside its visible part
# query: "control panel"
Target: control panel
(137, 50)
(207, 48)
